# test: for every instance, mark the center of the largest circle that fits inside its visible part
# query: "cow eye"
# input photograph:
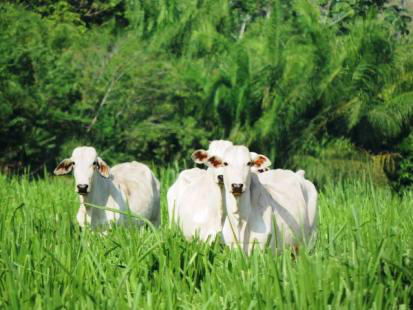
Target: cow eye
(225, 164)
(250, 163)
(95, 163)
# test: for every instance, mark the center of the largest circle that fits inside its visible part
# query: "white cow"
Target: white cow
(255, 203)
(184, 179)
(285, 186)
(216, 147)
(296, 199)
(195, 199)
(129, 187)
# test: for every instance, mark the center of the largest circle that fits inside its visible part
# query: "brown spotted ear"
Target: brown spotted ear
(215, 162)
(200, 156)
(64, 167)
(261, 161)
(103, 168)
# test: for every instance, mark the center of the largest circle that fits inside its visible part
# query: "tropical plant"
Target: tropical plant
(291, 80)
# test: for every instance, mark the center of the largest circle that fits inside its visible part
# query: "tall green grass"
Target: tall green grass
(363, 258)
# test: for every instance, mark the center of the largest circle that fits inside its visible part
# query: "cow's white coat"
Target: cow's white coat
(184, 179)
(273, 199)
(195, 199)
(296, 205)
(129, 187)
(200, 210)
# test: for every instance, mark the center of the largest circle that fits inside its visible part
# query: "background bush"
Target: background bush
(320, 85)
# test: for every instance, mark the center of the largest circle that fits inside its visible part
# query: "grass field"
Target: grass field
(363, 258)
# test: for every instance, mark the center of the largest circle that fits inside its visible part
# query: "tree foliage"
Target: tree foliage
(321, 85)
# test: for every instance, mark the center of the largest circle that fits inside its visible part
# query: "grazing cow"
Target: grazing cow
(129, 187)
(195, 199)
(252, 210)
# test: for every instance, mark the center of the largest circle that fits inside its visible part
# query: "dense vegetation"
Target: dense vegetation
(362, 258)
(322, 85)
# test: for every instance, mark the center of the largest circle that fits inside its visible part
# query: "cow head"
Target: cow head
(215, 150)
(84, 163)
(237, 164)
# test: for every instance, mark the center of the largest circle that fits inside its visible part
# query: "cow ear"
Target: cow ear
(261, 161)
(64, 167)
(215, 162)
(200, 156)
(103, 168)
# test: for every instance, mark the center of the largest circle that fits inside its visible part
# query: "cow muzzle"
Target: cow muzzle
(82, 189)
(237, 189)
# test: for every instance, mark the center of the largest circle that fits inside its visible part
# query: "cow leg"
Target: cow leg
(83, 217)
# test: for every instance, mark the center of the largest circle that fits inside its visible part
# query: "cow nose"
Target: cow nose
(82, 188)
(220, 178)
(236, 188)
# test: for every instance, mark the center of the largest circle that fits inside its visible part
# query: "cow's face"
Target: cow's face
(84, 163)
(216, 149)
(237, 164)
(237, 169)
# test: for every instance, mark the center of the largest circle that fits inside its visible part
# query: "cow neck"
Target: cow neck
(222, 206)
(222, 209)
(99, 192)
(238, 211)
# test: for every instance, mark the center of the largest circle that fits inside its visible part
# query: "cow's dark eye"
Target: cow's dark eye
(225, 164)
(249, 163)
(95, 163)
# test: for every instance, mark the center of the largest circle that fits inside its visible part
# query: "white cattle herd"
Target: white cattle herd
(238, 196)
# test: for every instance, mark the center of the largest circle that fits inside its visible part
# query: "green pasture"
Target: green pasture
(363, 257)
